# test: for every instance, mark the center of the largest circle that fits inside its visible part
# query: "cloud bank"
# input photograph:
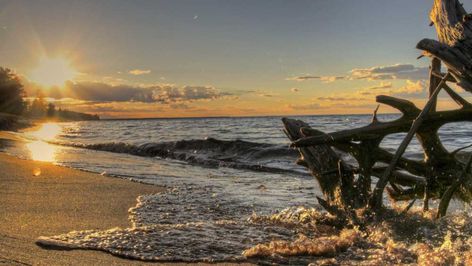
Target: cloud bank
(104, 92)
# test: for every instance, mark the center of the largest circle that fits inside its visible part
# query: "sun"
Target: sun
(52, 72)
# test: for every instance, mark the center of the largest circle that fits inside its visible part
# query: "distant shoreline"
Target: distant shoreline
(236, 117)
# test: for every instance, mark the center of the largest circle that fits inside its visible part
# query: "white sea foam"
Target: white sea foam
(195, 225)
(186, 224)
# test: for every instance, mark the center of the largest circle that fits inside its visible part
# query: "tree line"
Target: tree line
(12, 101)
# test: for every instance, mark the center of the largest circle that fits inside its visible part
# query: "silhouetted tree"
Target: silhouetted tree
(11, 92)
(38, 106)
(51, 110)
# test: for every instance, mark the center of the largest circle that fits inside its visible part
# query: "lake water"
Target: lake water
(219, 171)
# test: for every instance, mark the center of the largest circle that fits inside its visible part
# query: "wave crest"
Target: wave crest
(211, 152)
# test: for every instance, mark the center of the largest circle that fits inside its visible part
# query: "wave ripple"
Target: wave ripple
(211, 152)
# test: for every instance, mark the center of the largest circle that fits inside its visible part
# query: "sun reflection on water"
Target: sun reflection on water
(39, 149)
(42, 151)
(47, 131)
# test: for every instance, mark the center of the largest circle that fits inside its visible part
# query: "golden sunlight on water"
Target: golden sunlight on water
(47, 131)
(41, 150)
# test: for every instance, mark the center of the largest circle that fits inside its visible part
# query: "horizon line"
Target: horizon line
(241, 116)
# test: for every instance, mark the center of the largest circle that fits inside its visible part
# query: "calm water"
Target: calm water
(216, 169)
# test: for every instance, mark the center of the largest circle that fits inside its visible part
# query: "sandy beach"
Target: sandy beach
(57, 201)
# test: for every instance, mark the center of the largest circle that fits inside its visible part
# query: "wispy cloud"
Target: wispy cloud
(258, 92)
(392, 72)
(375, 89)
(331, 78)
(267, 95)
(410, 88)
(303, 77)
(138, 72)
(311, 77)
(398, 71)
(304, 107)
(340, 99)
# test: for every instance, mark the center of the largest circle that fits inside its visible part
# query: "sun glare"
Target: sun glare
(39, 149)
(42, 151)
(52, 72)
(47, 131)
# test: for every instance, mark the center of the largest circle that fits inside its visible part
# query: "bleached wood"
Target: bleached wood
(454, 48)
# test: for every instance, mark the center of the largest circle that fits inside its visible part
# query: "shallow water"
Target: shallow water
(184, 224)
(219, 171)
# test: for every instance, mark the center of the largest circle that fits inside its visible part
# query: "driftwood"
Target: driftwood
(454, 48)
(440, 175)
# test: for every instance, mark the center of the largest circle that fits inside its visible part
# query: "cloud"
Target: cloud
(267, 95)
(303, 78)
(104, 92)
(328, 79)
(410, 88)
(168, 94)
(378, 89)
(388, 69)
(310, 106)
(397, 71)
(340, 99)
(138, 72)
(260, 93)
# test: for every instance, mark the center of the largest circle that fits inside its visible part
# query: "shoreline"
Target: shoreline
(57, 201)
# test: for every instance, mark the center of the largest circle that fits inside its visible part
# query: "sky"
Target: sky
(217, 58)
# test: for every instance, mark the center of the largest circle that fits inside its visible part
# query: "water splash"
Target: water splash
(194, 224)
(187, 224)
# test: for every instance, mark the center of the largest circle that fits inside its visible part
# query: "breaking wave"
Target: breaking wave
(211, 152)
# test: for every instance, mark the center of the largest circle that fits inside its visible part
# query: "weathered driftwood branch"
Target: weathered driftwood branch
(409, 179)
(456, 97)
(376, 200)
(440, 174)
(454, 48)
(381, 129)
(334, 177)
(446, 197)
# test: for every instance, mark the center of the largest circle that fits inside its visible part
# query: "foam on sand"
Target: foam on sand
(194, 225)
